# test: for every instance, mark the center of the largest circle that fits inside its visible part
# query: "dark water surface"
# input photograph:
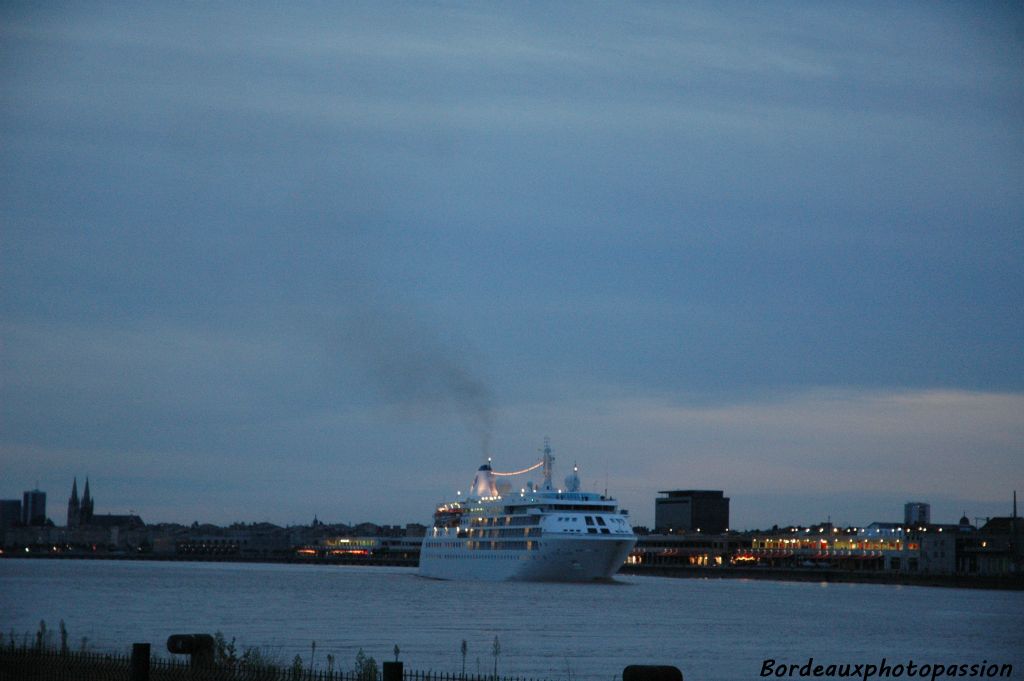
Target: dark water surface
(714, 630)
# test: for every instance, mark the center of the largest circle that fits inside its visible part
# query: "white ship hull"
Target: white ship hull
(560, 559)
(544, 534)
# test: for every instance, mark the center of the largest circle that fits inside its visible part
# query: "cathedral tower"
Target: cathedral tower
(74, 509)
(85, 517)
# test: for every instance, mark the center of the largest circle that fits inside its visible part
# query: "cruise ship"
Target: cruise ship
(538, 533)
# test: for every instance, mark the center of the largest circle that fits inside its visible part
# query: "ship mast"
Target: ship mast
(548, 462)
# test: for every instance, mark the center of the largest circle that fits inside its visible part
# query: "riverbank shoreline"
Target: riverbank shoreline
(174, 558)
(819, 575)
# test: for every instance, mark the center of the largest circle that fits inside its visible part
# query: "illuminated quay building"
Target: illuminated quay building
(380, 548)
(696, 549)
(340, 547)
(879, 547)
(827, 547)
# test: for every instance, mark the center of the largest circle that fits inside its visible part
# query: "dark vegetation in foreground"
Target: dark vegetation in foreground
(38, 657)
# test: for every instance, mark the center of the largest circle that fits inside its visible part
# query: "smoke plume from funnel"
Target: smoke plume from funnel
(417, 371)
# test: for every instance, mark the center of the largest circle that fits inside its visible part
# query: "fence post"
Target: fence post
(393, 671)
(638, 672)
(140, 662)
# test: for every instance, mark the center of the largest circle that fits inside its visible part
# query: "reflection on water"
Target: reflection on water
(711, 629)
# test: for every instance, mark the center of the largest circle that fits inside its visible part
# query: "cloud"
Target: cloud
(781, 458)
(135, 384)
(860, 448)
(281, 237)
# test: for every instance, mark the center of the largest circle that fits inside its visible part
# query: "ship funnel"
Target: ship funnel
(484, 483)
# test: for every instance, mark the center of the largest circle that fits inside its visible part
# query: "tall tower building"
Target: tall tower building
(693, 509)
(917, 513)
(10, 513)
(33, 508)
(74, 509)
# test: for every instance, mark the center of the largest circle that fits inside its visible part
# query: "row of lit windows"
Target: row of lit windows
(591, 520)
(514, 520)
(502, 545)
(576, 507)
(590, 530)
(503, 532)
(838, 544)
(491, 556)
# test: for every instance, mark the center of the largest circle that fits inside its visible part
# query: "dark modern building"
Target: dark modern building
(917, 513)
(33, 508)
(693, 510)
(10, 512)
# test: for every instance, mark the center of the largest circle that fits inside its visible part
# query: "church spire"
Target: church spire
(87, 504)
(74, 510)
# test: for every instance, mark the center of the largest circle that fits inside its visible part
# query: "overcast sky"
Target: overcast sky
(264, 262)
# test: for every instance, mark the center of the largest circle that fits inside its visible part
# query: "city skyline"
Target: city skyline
(62, 510)
(271, 264)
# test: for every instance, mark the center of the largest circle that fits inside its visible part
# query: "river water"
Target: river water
(714, 630)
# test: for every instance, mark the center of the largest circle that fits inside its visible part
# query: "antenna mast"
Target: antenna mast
(548, 460)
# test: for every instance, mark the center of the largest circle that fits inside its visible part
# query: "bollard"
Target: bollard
(644, 672)
(199, 647)
(140, 662)
(392, 671)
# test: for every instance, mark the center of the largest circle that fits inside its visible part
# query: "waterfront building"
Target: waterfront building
(698, 550)
(367, 529)
(255, 541)
(405, 549)
(85, 532)
(876, 547)
(10, 512)
(207, 545)
(350, 546)
(691, 511)
(884, 530)
(90, 539)
(996, 548)
(937, 553)
(882, 547)
(10, 517)
(33, 508)
(917, 513)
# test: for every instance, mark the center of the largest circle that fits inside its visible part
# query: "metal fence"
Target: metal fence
(33, 664)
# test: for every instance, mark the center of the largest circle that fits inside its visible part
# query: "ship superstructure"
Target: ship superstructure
(535, 534)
